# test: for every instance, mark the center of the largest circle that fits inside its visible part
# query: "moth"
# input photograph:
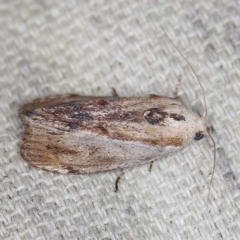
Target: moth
(72, 134)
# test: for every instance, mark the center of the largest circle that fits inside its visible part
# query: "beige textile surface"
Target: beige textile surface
(86, 47)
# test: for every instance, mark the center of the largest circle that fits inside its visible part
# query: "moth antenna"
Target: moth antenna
(205, 104)
(204, 113)
(214, 163)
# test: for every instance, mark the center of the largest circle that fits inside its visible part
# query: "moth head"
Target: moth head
(201, 129)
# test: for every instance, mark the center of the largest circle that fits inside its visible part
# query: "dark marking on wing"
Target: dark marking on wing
(152, 96)
(83, 116)
(101, 102)
(29, 113)
(74, 106)
(129, 116)
(71, 169)
(177, 117)
(154, 116)
(73, 125)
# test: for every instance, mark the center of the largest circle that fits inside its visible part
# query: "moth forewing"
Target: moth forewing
(94, 134)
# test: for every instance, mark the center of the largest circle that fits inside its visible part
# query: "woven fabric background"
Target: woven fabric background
(86, 47)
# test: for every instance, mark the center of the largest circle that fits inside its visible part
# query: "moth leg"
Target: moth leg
(150, 167)
(175, 93)
(119, 177)
(114, 92)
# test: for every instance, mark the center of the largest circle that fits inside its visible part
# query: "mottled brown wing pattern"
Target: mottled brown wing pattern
(75, 134)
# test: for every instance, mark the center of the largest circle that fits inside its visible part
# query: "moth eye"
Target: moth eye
(199, 136)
